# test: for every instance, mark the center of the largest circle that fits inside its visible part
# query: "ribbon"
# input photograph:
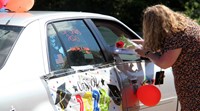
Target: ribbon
(87, 99)
(104, 100)
(79, 99)
(96, 96)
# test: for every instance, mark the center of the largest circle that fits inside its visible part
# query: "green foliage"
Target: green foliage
(128, 11)
(193, 9)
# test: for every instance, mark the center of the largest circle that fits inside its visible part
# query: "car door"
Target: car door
(81, 78)
(133, 71)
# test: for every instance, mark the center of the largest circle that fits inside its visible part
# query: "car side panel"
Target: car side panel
(20, 83)
(96, 89)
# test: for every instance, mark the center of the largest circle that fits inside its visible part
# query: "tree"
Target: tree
(192, 9)
(128, 11)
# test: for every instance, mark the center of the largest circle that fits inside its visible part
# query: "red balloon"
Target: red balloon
(149, 95)
(20, 5)
(1, 4)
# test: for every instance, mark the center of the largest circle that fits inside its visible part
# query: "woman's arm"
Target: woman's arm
(138, 41)
(165, 60)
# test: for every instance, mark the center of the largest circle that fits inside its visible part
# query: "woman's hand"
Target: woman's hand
(141, 51)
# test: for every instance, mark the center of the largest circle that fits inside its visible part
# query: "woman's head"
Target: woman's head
(159, 22)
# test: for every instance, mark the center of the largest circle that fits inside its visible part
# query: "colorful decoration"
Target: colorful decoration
(3, 3)
(63, 96)
(98, 89)
(104, 100)
(149, 95)
(72, 35)
(19, 5)
(86, 91)
(88, 102)
(84, 50)
(83, 54)
(96, 96)
(80, 101)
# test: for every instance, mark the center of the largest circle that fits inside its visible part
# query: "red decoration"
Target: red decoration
(149, 95)
(3, 3)
(120, 44)
(131, 98)
(20, 5)
(85, 50)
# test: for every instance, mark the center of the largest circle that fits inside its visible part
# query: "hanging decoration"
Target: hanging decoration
(3, 3)
(149, 95)
(20, 5)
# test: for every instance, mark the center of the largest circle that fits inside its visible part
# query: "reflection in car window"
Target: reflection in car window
(8, 36)
(72, 44)
(111, 30)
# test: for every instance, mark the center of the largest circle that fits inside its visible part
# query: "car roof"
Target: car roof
(23, 19)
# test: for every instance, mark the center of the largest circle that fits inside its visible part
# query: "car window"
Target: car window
(111, 31)
(8, 36)
(72, 44)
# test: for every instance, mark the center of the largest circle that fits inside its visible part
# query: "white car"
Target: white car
(67, 61)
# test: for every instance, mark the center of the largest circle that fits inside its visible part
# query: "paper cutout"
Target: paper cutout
(63, 96)
(72, 35)
(59, 59)
(96, 96)
(80, 101)
(87, 99)
(84, 91)
(104, 100)
(114, 93)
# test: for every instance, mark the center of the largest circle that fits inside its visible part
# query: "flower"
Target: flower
(123, 42)
(84, 50)
(120, 44)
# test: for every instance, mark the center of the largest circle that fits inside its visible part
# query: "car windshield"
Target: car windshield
(8, 36)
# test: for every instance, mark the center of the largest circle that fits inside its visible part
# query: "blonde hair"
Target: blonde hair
(160, 22)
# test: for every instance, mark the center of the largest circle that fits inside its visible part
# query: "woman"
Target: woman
(177, 40)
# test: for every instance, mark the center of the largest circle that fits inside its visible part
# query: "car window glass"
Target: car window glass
(57, 56)
(111, 31)
(72, 44)
(109, 36)
(8, 36)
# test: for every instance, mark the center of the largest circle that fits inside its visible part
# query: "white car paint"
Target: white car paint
(20, 78)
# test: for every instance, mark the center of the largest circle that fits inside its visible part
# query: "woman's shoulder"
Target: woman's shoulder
(193, 28)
